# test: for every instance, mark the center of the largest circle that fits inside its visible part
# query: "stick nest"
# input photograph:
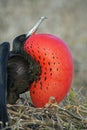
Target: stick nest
(70, 114)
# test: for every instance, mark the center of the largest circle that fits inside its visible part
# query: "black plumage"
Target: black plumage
(22, 70)
(4, 52)
(17, 71)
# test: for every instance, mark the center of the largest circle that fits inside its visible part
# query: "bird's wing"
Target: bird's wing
(4, 52)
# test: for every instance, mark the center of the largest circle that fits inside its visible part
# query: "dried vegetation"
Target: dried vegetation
(70, 114)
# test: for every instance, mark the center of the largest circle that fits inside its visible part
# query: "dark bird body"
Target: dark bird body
(22, 70)
(4, 52)
(18, 78)
(17, 71)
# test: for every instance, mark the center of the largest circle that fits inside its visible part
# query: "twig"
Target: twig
(18, 114)
(70, 113)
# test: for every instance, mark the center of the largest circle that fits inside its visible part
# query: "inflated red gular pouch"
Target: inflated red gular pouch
(56, 63)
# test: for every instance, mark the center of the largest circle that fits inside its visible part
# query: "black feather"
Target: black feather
(22, 70)
(18, 43)
(4, 51)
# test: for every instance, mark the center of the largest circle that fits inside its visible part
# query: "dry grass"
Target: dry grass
(71, 114)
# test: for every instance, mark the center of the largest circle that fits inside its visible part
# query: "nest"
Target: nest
(70, 114)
